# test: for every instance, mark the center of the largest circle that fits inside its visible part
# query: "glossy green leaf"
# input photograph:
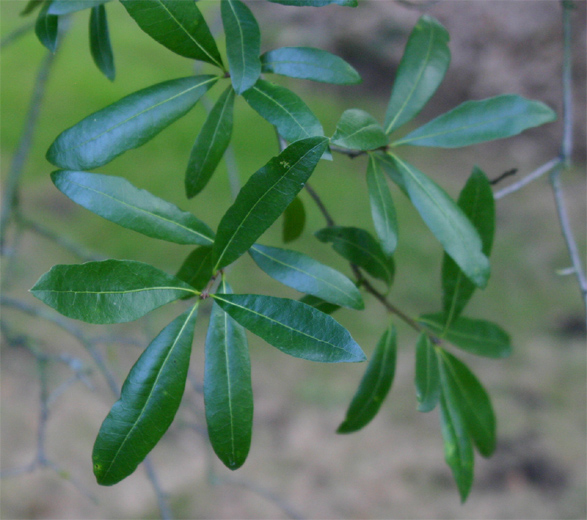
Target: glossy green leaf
(358, 130)
(264, 197)
(126, 124)
(177, 25)
(427, 378)
(31, 6)
(294, 220)
(361, 249)
(212, 141)
(293, 327)
(478, 121)
(196, 269)
(319, 303)
(309, 63)
(316, 3)
(420, 72)
(447, 222)
(60, 7)
(477, 202)
(479, 337)
(100, 46)
(307, 275)
(387, 164)
(243, 44)
(284, 109)
(148, 402)
(111, 291)
(464, 392)
(228, 394)
(382, 206)
(47, 28)
(117, 200)
(374, 385)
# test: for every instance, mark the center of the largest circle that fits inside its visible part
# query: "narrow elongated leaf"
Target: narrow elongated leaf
(47, 28)
(477, 202)
(382, 207)
(100, 42)
(478, 121)
(316, 3)
(307, 275)
(212, 141)
(320, 304)
(309, 63)
(196, 270)
(228, 394)
(420, 72)
(386, 162)
(111, 291)
(177, 25)
(117, 200)
(148, 402)
(243, 44)
(447, 222)
(374, 385)
(264, 197)
(358, 130)
(427, 375)
(60, 7)
(284, 109)
(126, 124)
(360, 248)
(294, 220)
(293, 327)
(31, 6)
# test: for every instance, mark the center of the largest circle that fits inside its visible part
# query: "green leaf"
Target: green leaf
(309, 63)
(126, 124)
(447, 222)
(243, 44)
(360, 248)
(177, 25)
(212, 142)
(283, 109)
(264, 197)
(294, 220)
(111, 291)
(385, 161)
(477, 202)
(100, 42)
(420, 72)
(117, 200)
(61, 7)
(465, 392)
(228, 394)
(148, 402)
(316, 3)
(47, 28)
(31, 6)
(358, 130)
(293, 327)
(319, 303)
(196, 270)
(479, 337)
(478, 121)
(382, 207)
(307, 275)
(427, 378)
(374, 385)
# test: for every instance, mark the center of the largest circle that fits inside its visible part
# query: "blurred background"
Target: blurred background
(52, 391)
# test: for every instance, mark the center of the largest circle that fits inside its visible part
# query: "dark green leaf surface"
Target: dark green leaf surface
(360, 248)
(100, 42)
(374, 385)
(126, 124)
(46, 28)
(479, 337)
(212, 141)
(196, 270)
(309, 63)
(243, 44)
(382, 206)
(447, 222)
(117, 200)
(60, 7)
(148, 402)
(293, 327)
(284, 109)
(177, 25)
(427, 378)
(31, 6)
(228, 394)
(477, 202)
(420, 72)
(111, 291)
(358, 130)
(320, 304)
(294, 220)
(316, 3)
(264, 197)
(386, 162)
(307, 275)
(478, 121)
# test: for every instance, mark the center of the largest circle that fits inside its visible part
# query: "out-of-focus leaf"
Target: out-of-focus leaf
(427, 375)
(294, 221)
(61, 7)
(320, 304)
(196, 270)
(358, 130)
(31, 6)
(316, 3)
(100, 42)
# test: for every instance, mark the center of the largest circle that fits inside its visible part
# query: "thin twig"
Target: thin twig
(538, 172)
(16, 34)
(320, 204)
